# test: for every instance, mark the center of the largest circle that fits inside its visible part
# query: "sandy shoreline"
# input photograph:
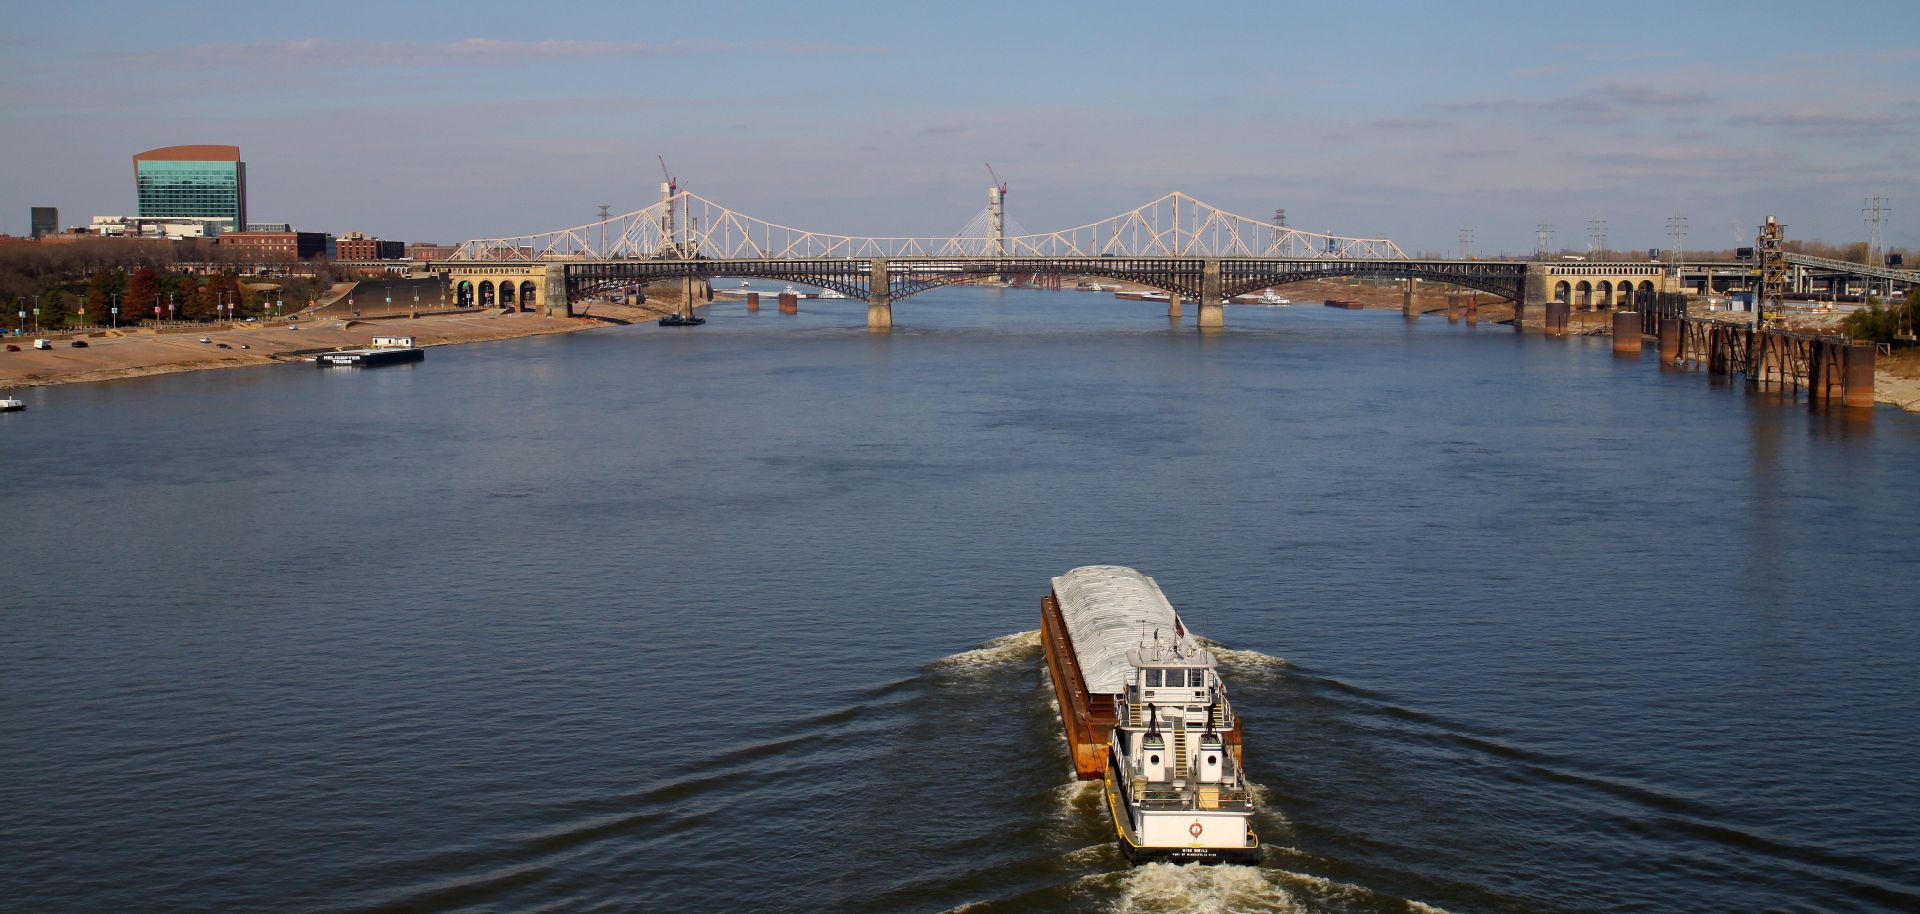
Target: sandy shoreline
(142, 353)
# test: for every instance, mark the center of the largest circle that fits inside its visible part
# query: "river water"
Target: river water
(743, 617)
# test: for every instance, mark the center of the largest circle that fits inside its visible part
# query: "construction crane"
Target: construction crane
(668, 189)
(672, 185)
(998, 184)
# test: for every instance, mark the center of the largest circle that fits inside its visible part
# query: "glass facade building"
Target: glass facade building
(206, 182)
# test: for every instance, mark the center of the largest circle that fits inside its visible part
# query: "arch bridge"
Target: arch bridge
(1177, 244)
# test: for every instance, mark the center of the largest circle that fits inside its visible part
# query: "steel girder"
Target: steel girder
(1179, 275)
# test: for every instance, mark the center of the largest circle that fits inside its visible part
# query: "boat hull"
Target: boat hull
(369, 358)
(1138, 854)
(1088, 719)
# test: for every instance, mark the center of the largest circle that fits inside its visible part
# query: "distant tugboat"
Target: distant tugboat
(1145, 709)
(682, 320)
(11, 405)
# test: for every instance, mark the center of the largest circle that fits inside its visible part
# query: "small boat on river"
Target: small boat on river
(12, 405)
(1145, 711)
(677, 319)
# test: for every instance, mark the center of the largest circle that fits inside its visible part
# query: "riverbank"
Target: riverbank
(131, 354)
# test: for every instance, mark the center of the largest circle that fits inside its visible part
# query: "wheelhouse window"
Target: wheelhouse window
(1153, 679)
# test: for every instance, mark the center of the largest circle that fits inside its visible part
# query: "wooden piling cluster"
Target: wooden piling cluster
(1831, 368)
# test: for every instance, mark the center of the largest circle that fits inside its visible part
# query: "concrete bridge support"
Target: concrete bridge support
(879, 305)
(1213, 312)
(1173, 305)
(1407, 310)
(555, 281)
(1537, 292)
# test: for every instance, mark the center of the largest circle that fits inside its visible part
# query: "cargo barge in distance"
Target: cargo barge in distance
(1146, 712)
(386, 350)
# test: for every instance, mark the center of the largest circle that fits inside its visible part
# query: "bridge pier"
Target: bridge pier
(1213, 287)
(554, 295)
(879, 305)
(1407, 310)
(1534, 290)
(1173, 305)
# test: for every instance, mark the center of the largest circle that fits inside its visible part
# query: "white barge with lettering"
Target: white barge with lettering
(1145, 710)
(386, 350)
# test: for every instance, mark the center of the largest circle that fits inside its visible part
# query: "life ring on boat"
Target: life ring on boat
(1195, 829)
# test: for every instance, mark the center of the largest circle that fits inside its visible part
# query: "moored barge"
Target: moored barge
(1146, 712)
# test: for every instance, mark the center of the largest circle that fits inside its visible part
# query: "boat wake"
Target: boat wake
(1244, 662)
(1018, 647)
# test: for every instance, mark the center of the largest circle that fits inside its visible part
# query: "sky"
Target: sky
(424, 121)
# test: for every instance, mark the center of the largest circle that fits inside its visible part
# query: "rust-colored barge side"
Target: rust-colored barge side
(1089, 719)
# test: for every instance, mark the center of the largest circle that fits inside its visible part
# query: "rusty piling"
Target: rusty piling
(1626, 331)
(1670, 331)
(1859, 389)
(1557, 312)
(753, 302)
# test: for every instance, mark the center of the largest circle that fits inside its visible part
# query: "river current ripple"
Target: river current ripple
(742, 618)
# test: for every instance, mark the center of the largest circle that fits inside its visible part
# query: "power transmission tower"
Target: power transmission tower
(604, 209)
(1545, 247)
(1596, 235)
(1466, 244)
(1876, 212)
(1677, 227)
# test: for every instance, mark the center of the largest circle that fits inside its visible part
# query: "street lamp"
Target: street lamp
(115, 310)
(172, 309)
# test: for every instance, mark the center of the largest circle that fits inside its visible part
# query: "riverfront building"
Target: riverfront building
(356, 246)
(206, 182)
(277, 247)
(46, 221)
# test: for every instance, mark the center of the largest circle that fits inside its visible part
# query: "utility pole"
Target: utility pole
(1545, 245)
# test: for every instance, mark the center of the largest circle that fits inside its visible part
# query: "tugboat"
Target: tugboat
(1145, 711)
(12, 405)
(677, 319)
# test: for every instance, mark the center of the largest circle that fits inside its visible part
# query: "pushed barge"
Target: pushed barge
(1146, 711)
(387, 350)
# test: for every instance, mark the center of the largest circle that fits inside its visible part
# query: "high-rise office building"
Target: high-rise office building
(208, 182)
(46, 221)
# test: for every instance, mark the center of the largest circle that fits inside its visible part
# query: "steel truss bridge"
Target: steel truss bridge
(1176, 243)
(686, 226)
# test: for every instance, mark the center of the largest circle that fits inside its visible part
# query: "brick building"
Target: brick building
(276, 246)
(355, 246)
(421, 250)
